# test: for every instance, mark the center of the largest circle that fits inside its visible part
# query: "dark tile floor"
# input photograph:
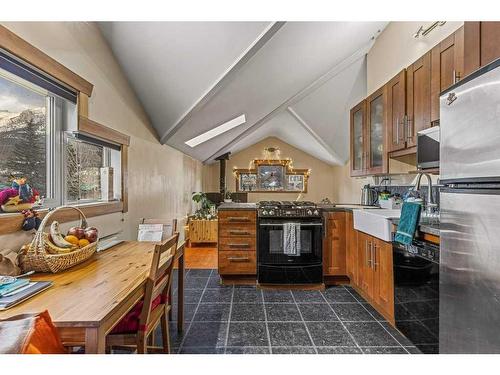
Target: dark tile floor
(245, 320)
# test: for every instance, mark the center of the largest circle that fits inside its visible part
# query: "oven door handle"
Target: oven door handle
(301, 224)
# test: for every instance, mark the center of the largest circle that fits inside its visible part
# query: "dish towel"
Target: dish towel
(408, 222)
(291, 239)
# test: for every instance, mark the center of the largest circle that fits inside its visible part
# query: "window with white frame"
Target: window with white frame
(39, 142)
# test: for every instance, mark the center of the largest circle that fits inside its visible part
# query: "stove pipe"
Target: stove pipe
(222, 168)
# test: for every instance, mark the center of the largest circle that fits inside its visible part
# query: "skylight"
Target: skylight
(193, 142)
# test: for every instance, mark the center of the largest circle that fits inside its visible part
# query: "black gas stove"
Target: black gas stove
(276, 265)
(299, 209)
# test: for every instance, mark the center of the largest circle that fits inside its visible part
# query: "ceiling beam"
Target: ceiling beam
(336, 70)
(225, 78)
(318, 139)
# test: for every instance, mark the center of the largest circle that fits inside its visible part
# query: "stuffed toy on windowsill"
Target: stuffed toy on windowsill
(20, 196)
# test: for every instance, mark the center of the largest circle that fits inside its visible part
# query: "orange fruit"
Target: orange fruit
(83, 242)
(72, 239)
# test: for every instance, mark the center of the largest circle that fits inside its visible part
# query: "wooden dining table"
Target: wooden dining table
(86, 302)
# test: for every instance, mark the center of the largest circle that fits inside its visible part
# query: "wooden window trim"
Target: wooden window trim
(11, 223)
(10, 42)
(93, 128)
(33, 56)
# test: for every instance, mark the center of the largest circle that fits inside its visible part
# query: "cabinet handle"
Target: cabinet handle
(397, 131)
(239, 232)
(374, 257)
(368, 260)
(409, 124)
(238, 259)
(456, 76)
(239, 245)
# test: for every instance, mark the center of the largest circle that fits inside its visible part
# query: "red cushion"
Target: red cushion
(130, 322)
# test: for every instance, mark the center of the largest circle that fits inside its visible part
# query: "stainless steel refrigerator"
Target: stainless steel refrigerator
(470, 214)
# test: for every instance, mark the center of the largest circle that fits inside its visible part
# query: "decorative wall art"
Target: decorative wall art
(276, 175)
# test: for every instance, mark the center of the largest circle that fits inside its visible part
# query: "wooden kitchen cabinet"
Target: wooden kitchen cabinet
(334, 249)
(358, 139)
(376, 132)
(365, 269)
(418, 98)
(481, 44)
(351, 249)
(383, 275)
(368, 135)
(375, 275)
(447, 67)
(396, 112)
(237, 242)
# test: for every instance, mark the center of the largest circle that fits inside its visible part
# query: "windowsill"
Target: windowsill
(12, 222)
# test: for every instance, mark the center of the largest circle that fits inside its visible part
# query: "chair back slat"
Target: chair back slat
(160, 277)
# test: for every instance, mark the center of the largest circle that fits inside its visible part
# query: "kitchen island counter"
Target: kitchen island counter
(237, 206)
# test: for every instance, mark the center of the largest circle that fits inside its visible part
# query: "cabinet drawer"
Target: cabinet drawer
(237, 243)
(237, 262)
(232, 217)
(240, 230)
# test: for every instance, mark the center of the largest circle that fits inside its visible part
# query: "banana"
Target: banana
(57, 237)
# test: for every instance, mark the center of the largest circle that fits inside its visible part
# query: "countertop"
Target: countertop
(346, 207)
(238, 206)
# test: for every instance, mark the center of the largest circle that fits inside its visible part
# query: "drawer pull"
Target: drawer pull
(238, 259)
(239, 233)
(241, 219)
(239, 245)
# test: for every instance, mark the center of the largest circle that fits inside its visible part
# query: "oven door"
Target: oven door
(270, 243)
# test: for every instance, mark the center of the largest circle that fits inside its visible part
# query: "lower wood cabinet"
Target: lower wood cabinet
(366, 278)
(351, 249)
(375, 273)
(383, 292)
(334, 244)
(237, 263)
(237, 243)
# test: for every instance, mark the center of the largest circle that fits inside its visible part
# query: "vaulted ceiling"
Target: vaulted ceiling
(292, 80)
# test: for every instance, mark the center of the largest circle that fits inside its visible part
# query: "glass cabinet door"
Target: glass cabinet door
(376, 131)
(358, 139)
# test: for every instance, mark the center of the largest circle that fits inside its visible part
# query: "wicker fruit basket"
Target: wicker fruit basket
(40, 255)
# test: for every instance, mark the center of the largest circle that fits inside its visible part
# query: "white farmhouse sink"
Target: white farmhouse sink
(376, 223)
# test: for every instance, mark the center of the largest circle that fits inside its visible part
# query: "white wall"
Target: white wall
(396, 48)
(161, 179)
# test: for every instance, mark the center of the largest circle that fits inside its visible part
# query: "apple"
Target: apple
(91, 234)
(77, 232)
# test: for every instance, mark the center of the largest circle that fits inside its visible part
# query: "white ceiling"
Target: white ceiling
(294, 80)
(285, 126)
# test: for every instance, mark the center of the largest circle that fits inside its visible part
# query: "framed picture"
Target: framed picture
(247, 182)
(295, 182)
(271, 177)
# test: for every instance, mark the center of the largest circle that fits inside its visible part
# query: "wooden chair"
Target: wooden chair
(172, 223)
(155, 305)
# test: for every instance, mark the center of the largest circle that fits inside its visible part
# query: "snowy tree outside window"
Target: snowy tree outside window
(23, 132)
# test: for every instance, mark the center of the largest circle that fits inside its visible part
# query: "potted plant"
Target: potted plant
(228, 196)
(203, 224)
(206, 208)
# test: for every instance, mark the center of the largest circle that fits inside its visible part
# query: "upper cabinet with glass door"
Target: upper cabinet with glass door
(358, 139)
(376, 129)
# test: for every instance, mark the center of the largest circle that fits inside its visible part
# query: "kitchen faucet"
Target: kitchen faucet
(429, 204)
